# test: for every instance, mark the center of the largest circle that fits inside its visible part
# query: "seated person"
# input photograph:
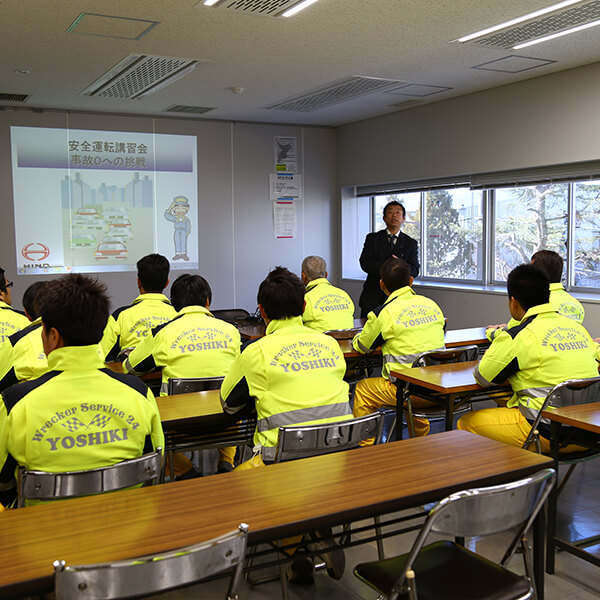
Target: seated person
(293, 375)
(193, 344)
(406, 325)
(551, 264)
(544, 348)
(22, 356)
(78, 415)
(326, 307)
(11, 320)
(128, 325)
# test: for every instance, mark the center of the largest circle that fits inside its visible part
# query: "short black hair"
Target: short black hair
(153, 271)
(2, 280)
(550, 262)
(281, 294)
(528, 285)
(190, 290)
(394, 203)
(395, 274)
(30, 303)
(77, 306)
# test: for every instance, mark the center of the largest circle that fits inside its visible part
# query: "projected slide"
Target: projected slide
(93, 201)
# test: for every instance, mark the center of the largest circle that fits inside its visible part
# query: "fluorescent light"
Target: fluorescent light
(556, 35)
(297, 8)
(533, 15)
(210, 2)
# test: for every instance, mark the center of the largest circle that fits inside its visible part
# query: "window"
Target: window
(480, 235)
(528, 219)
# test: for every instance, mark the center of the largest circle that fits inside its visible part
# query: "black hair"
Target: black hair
(528, 285)
(77, 306)
(153, 271)
(190, 290)
(395, 274)
(2, 280)
(281, 294)
(394, 203)
(30, 302)
(550, 263)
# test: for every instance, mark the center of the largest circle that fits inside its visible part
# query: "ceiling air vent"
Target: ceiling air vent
(268, 8)
(407, 104)
(182, 108)
(546, 25)
(11, 97)
(347, 89)
(139, 75)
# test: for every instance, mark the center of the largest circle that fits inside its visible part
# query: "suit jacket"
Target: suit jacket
(375, 252)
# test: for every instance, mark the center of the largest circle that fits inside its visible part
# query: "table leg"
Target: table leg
(399, 408)
(539, 529)
(552, 499)
(450, 413)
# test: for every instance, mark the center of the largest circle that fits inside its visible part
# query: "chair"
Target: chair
(186, 385)
(444, 569)
(153, 574)
(231, 315)
(304, 441)
(435, 357)
(200, 438)
(568, 393)
(42, 485)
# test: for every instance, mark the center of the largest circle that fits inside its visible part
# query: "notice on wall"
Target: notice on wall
(285, 185)
(284, 219)
(285, 152)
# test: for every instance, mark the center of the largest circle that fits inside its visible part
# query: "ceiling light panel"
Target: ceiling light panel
(341, 91)
(419, 90)
(544, 26)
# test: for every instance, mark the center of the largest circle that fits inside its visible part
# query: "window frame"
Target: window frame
(488, 240)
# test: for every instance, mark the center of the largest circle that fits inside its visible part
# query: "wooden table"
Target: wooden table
(450, 385)
(276, 501)
(587, 418)
(196, 420)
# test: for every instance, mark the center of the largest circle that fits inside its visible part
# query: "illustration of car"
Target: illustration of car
(120, 228)
(87, 213)
(80, 238)
(110, 250)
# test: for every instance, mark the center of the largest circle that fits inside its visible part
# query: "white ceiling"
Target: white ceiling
(273, 59)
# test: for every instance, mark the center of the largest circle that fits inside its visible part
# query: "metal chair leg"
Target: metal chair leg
(379, 541)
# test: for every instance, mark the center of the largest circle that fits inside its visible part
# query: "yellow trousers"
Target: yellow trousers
(375, 392)
(506, 425)
(182, 464)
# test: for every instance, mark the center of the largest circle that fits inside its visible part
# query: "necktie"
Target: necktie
(392, 241)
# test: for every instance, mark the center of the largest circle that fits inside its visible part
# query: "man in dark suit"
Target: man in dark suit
(378, 248)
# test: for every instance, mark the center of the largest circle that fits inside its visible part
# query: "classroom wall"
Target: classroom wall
(235, 213)
(543, 121)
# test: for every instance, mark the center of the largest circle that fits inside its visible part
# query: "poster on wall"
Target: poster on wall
(285, 185)
(285, 151)
(284, 219)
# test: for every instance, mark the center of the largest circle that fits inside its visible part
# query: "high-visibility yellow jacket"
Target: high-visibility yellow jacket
(293, 376)
(544, 349)
(327, 307)
(406, 325)
(128, 325)
(193, 344)
(22, 358)
(11, 321)
(564, 303)
(76, 416)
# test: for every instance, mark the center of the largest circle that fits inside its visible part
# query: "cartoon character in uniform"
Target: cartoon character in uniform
(181, 225)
